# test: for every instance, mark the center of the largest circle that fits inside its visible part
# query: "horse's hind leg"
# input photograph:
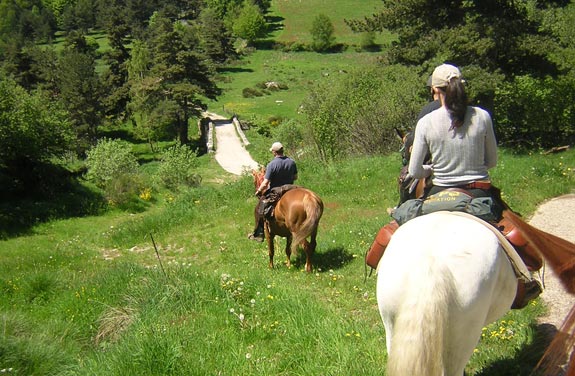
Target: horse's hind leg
(271, 251)
(288, 250)
(309, 248)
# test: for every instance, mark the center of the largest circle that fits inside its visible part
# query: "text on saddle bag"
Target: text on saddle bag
(447, 200)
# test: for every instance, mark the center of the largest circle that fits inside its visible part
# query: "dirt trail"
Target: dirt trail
(230, 151)
(557, 217)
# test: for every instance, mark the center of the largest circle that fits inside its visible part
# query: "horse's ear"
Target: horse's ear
(399, 133)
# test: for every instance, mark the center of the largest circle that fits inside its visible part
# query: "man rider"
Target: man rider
(280, 171)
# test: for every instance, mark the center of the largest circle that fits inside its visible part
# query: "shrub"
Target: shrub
(535, 113)
(322, 33)
(356, 114)
(109, 160)
(177, 167)
(249, 92)
(291, 134)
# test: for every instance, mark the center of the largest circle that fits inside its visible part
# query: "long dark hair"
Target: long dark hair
(456, 101)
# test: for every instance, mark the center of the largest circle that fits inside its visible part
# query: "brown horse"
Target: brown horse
(295, 217)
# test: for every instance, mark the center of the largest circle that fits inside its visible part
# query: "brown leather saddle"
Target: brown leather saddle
(272, 197)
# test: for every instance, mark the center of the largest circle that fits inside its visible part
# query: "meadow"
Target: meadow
(296, 70)
(178, 289)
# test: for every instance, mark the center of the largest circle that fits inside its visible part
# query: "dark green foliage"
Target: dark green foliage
(534, 113)
(170, 74)
(494, 35)
(216, 41)
(81, 92)
(494, 42)
(31, 127)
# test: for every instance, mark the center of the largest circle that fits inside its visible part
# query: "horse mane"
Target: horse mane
(259, 176)
(560, 254)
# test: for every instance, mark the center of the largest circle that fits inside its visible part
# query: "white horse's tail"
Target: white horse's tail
(418, 344)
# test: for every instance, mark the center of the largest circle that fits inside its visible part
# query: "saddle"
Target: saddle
(271, 198)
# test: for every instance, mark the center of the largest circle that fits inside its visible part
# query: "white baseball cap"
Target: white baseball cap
(443, 74)
(276, 146)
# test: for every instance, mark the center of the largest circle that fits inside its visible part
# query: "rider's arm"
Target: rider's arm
(418, 153)
(262, 187)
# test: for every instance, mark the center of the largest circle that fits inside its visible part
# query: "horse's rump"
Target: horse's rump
(438, 269)
(300, 209)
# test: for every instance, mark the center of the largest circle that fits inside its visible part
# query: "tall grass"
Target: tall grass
(94, 296)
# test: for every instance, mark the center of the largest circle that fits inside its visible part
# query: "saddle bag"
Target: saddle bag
(450, 199)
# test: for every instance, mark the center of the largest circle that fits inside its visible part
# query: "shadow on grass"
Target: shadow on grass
(527, 357)
(42, 193)
(333, 258)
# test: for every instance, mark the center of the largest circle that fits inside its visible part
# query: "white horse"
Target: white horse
(442, 278)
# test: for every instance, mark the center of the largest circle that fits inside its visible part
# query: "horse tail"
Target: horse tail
(418, 343)
(313, 207)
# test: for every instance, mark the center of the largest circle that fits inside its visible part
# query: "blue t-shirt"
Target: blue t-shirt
(281, 170)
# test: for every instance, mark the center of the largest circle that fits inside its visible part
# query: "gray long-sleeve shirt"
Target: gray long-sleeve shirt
(459, 156)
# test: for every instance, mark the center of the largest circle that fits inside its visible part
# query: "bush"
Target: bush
(322, 33)
(123, 192)
(292, 135)
(177, 168)
(535, 113)
(357, 114)
(249, 92)
(109, 160)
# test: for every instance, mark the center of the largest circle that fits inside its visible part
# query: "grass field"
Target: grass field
(296, 70)
(86, 296)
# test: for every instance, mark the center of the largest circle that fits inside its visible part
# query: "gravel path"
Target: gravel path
(557, 217)
(230, 152)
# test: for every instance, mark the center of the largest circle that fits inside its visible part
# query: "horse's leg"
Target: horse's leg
(270, 239)
(308, 252)
(310, 249)
(288, 249)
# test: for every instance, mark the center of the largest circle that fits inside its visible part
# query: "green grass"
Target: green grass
(298, 17)
(91, 296)
(296, 70)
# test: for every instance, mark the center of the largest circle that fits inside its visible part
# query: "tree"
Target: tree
(32, 129)
(215, 40)
(493, 35)
(322, 33)
(560, 23)
(170, 76)
(250, 24)
(80, 89)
